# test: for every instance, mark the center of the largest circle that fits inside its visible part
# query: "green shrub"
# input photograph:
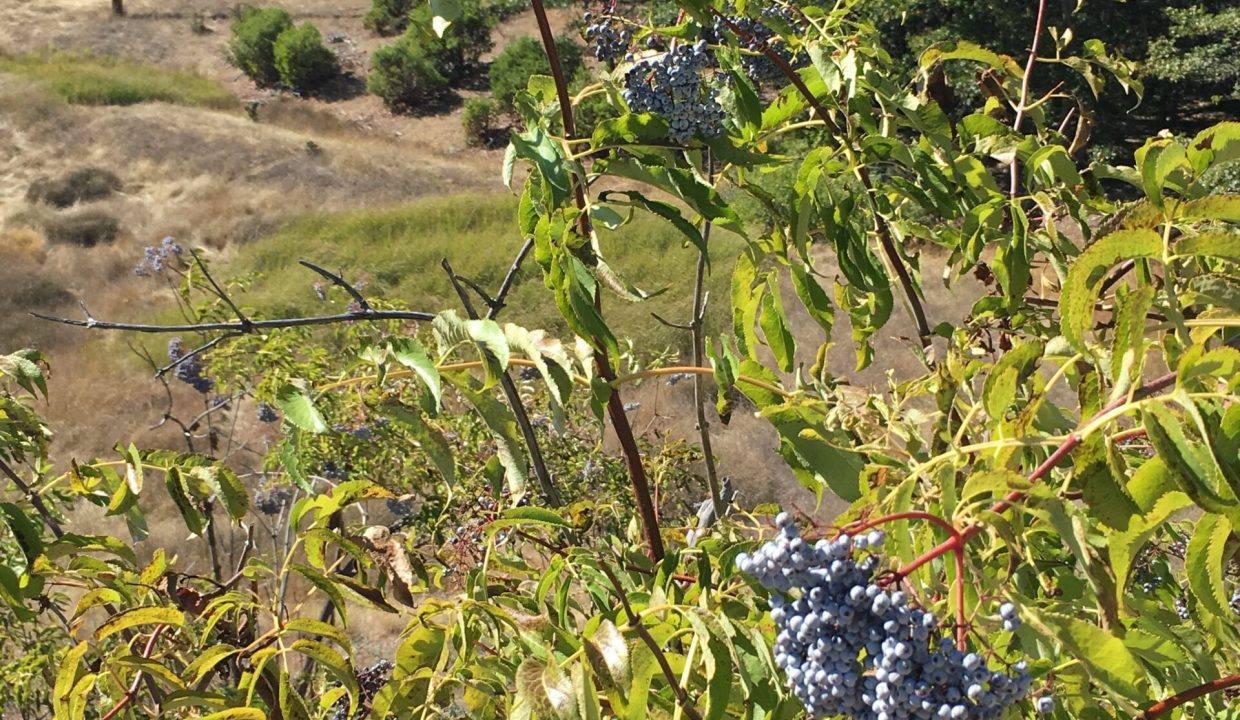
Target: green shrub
(91, 80)
(466, 40)
(477, 119)
(388, 17)
(404, 76)
(302, 60)
(254, 34)
(84, 228)
(82, 185)
(511, 70)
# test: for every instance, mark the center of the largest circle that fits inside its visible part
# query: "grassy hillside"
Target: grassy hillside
(91, 80)
(397, 251)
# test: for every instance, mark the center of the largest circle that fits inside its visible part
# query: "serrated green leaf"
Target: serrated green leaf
(432, 441)
(503, 426)
(774, 324)
(1204, 562)
(299, 409)
(1076, 304)
(1014, 368)
(412, 354)
(1104, 655)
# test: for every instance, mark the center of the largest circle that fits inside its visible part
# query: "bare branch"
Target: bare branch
(339, 280)
(510, 278)
(195, 352)
(359, 316)
(35, 500)
(245, 321)
(487, 299)
(1021, 105)
(669, 323)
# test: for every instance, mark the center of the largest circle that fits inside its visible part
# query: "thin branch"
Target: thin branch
(1163, 707)
(486, 298)
(635, 622)
(196, 351)
(362, 315)
(1014, 183)
(1099, 306)
(339, 280)
(245, 321)
(132, 692)
(678, 326)
(506, 285)
(698, 329)
(513, 396)
(35, 500)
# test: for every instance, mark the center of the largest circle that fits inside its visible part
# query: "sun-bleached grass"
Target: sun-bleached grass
(397, 250)
(99, 80)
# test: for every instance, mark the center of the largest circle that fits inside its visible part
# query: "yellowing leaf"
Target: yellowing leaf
(139, 616)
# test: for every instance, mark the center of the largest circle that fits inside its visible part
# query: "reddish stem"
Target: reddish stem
(132, 692)
(1069, 444)
(962, 630)
(615, 406)
(862, 525)
(1163, 707)
(962, 625)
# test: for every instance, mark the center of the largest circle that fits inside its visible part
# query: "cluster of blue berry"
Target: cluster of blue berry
(334, 472)
(188, 370)
(156, 257)
(851, 648)
(756, 33)
(267, 413)
(361, 431)
(273, 500)
(608, 33)
(369, 681)
(674, 86)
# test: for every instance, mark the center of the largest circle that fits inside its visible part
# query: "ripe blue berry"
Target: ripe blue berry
(674, 86)
(851, 649)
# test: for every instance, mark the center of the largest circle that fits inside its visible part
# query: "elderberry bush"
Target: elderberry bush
(609, 35)
(673, 85)
(851, 648)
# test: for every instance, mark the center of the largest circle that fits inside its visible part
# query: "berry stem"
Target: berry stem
(861, 525)
(957, 540)
(1069, 444)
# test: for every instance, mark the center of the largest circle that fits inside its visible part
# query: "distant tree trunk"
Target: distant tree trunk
(118, 7)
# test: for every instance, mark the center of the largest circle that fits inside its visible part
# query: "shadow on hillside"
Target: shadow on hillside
(344, 86)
